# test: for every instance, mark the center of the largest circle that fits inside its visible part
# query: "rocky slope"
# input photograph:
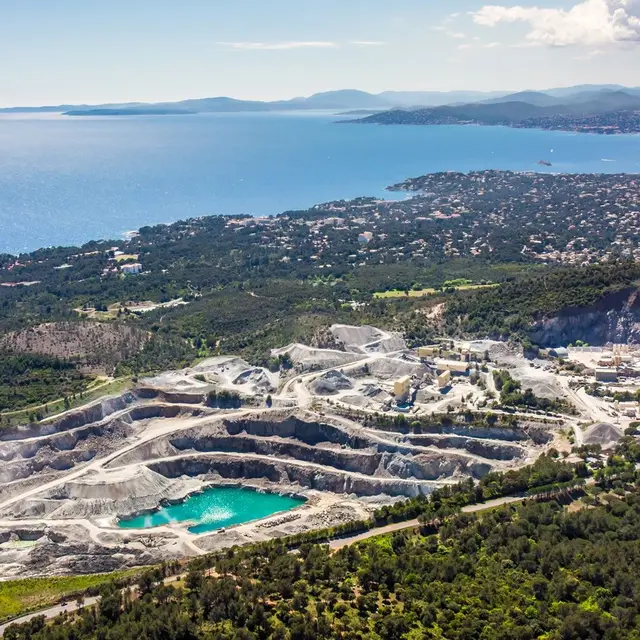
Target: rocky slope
(615, 318)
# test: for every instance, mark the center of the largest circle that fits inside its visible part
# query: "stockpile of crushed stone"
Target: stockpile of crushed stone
(392, 369)
(309, 359)
(230, 370)
(356, 336)
(603, 433)
(367, 339)
(174, 380)
(387, 345)
(331, 383)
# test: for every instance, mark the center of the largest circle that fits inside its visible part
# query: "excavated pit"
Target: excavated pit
(78, 440)
(65, 482)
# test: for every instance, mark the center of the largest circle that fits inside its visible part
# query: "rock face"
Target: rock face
(181, 397)
(72, 420)
(490, 449)
(615, 318)
(337, 457)
(122, 492)
(69, 550)
(284, 472)
(327, 447)
(78, 437)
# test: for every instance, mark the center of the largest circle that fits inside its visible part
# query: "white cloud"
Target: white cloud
(367, 43)
(491, 45)
(450, 33)
(462, 47)
(589, 22)
(278, 46)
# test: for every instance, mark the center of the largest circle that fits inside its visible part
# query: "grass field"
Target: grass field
(396, 293)
(18, 597)
(421, 293)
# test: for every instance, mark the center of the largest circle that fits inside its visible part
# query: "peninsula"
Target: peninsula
(604, 113)
(129, 111)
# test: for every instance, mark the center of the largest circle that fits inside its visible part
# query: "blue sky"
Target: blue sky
(92, 51)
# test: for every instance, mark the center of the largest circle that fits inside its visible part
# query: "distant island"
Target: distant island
(606, 112)
(132, 111)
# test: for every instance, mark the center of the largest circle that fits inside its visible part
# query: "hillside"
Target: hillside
(93, 346)
(536, 98)
(31, 380)
(596, 305)
(129, 111)
(482, 242)
(606, 112)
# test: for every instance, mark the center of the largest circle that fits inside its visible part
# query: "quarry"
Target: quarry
(339, 431)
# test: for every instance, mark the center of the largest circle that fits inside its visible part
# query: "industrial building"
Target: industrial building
(456, 367)
(606, 374)
(444, 379)
(428, 351)
(402, 388)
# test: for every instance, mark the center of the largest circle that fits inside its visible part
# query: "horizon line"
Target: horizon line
(298, 97)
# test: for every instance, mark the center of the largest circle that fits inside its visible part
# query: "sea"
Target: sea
(66, 180)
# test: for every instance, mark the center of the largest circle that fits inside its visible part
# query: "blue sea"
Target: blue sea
(67, 180)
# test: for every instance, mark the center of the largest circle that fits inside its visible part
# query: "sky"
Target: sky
(88, 51)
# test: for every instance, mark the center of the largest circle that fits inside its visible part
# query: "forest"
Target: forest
(27, 380)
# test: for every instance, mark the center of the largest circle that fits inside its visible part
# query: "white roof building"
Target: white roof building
(132, 269)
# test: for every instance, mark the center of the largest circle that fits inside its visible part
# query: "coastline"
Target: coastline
(575, 130)
(319, 163)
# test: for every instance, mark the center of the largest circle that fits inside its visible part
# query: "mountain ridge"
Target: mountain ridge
(342, 99)
(609, 112)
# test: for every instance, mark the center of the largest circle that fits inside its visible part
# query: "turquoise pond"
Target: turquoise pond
(215, 508)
